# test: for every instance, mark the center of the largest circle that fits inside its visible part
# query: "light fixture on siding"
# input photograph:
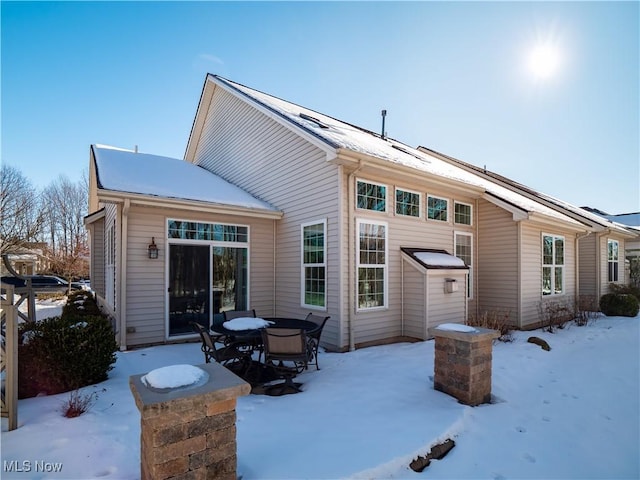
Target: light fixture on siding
(153, 248)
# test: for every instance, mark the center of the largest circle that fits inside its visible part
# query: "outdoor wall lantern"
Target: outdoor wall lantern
(153, 248)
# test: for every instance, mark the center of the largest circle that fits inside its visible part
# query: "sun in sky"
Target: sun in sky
(544, 60)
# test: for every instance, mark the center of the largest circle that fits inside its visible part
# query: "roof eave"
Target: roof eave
(114, 196)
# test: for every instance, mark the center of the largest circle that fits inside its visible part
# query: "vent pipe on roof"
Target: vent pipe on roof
(384, 114)
(135, 148)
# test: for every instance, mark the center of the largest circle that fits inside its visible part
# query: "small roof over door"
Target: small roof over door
(435, 259)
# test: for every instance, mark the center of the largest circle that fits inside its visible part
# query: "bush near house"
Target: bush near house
(619, 305)
(64, 353)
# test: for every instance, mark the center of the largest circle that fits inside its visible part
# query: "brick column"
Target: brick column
(189, 432)
(463, 364)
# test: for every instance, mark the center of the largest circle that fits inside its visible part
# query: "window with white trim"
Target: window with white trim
(371, 196)
(437, 208)
(314, 264)
(464, 251)
(371, 259)
(612, 259)
(552, 265)
(462, 213)
(407, 203)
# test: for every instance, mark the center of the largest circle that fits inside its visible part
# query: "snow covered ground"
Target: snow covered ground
(572, 412)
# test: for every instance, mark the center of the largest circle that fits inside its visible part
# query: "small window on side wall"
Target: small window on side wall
(612, 260)
(407, 203)
(437, 208)
(371, 196)
(462, 213)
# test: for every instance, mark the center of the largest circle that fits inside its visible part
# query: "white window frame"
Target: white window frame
(455, 249)
(386, 196)
(446, 220)
(613, 261)
(384, 267)
(470, 224)
(303, 265)
(553, 266)
(110, 265)
(395, 202)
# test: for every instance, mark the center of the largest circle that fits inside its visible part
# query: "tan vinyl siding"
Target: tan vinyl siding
(445, 307)
(588, 265)
(253, 151)
(415, 301)
(497, 259)
(146, 278)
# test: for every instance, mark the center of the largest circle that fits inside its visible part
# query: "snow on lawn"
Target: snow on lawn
(571, 412)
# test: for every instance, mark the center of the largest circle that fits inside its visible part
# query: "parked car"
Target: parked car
(42, 283)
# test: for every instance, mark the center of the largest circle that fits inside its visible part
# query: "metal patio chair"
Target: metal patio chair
(286, 351)
(313, 337)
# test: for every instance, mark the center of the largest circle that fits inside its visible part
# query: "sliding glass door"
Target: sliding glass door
(208, 273)
(188, 287)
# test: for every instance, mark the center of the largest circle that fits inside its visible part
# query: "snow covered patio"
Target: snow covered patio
(569, 413)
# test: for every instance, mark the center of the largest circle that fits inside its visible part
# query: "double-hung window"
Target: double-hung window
(552, 265)
(464, 251)
(462, 213)
(437, 208)
(371, 196)
(612, 259)
(371, 264)
(314, 264)
(407, 203)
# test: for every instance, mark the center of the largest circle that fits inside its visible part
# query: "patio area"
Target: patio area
(368, 413)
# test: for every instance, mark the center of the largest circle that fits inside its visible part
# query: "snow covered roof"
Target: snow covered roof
(435, 259)
(122, 170)
(337, 134)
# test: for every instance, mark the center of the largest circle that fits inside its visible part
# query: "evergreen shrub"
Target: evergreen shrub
(64, 353)
(619, 305)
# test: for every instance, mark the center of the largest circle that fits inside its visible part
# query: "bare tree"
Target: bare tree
(68, 250)
(21, 216)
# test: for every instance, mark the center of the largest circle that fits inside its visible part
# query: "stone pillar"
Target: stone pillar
(189, 432)
(463, 363)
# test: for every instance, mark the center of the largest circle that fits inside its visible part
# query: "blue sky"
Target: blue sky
(453, 76)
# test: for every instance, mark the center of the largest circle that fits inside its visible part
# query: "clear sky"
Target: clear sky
(456, 77)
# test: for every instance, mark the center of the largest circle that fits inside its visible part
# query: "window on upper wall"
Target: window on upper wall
(371, 258)
(371, 196)
(552, 265)
(612, 259)
(314, 264)
(437, 208)
(462, 213)
(407, 203)
(464, 251)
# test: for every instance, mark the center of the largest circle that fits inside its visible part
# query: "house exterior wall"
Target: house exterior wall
(445, 307)
(588, 265)
(253, 151)
(498, 259)
(376, 325)
(146, 310)
(414, 297)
